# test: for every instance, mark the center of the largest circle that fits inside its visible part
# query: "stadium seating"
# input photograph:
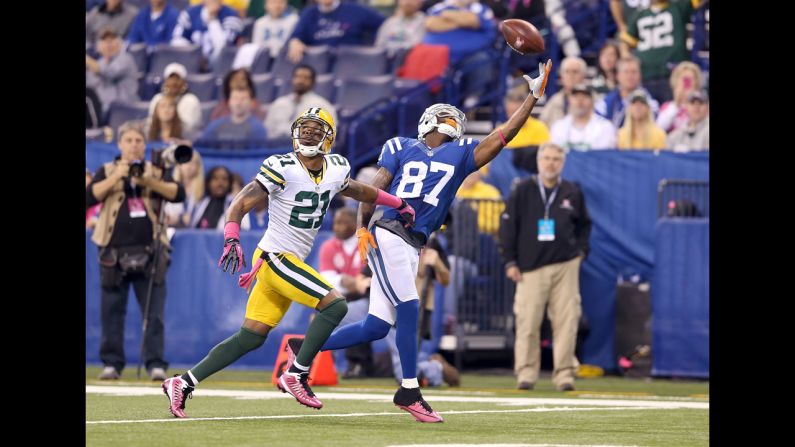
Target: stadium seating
(360, 61)
(122, 111)
(162, 55)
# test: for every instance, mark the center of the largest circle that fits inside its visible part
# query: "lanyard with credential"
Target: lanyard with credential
(547, 204)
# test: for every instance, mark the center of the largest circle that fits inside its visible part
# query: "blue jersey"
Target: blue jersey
(427, 179)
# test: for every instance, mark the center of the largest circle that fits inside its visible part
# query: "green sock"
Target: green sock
(226, 352)
(319, 331)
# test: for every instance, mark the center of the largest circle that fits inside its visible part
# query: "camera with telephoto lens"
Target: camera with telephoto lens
(136, 168)
(176, 154)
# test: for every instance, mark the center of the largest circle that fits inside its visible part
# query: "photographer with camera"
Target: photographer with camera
(131, 192)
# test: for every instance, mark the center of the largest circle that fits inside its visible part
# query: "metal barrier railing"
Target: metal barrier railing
(484, 296)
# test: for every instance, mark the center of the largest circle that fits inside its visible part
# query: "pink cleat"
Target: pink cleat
(410, 400)
(298, 387)
(177, 391)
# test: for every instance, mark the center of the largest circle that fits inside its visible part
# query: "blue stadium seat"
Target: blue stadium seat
(204, 86)
(264, 85)
(318, 57)
(149, 86)
(225, 60)
(164, 54)
(355, 93)
(138, 53)
(355, 60)
(121, 111)
(262, 62)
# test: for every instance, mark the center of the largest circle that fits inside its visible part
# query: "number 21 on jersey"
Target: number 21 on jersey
(410, 185)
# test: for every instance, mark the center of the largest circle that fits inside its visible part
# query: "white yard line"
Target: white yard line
(343, 415)
(509, 401)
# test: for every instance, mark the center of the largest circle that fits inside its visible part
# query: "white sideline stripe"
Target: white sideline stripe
(507, 445)
(385, 413)
(153, 391)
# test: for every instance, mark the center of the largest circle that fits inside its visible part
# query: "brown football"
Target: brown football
(522, 36)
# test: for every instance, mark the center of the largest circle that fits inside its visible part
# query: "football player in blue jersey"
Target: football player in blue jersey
(426, 172)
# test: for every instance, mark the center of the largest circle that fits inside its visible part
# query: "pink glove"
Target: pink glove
(233, 252)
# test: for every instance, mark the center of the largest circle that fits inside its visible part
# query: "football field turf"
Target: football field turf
(241, 408)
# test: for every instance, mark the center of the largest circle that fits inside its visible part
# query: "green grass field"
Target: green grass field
(240, 408)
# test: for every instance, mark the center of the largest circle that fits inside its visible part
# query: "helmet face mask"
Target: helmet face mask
(315, 127)
(445, 118)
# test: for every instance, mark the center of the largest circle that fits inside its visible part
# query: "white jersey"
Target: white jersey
(297, 204)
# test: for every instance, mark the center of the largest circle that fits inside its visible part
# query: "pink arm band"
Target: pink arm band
(232, 230)
(384, 198)
(502, 137)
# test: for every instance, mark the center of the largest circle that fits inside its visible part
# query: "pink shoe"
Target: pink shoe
(177, 391)
(410, 400)
(297, 386)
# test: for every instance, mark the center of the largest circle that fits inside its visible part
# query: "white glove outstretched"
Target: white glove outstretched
(537, 85)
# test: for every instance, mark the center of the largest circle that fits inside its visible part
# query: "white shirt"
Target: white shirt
(599, 133)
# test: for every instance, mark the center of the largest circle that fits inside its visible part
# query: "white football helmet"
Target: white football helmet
(445, 118)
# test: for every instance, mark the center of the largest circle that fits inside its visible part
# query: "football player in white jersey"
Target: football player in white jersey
(299, 187)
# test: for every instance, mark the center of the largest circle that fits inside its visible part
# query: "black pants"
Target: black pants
(114, 309)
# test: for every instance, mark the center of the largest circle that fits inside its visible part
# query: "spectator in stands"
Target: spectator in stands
(273, 29)
(191, 176)
(605, 79)
(404, 29)
(189, 108)
(465, 26)
(240, 125)
(473, 187)
(256, 8)
(210, 25)
(572, 72)
(563, 31)
(235, 79)
(283, 110)
(685, 78)
(340, 265)
(240, 6)
(334, 23)
(544, 239)
(113, 14)
(93, 109)
(662, 43)
(165, 125)
(639, 130)
(124, 234)
(622, 10)
(154, 24)
(628, 76)
(582, 129)
(114, 76)
(210, 211)
(695, 135)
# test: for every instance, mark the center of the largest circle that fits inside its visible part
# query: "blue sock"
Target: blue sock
(406, 338)
(369, 329)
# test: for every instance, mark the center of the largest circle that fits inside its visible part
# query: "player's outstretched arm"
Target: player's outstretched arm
(381, 180)
(499, 137)
(367, 194)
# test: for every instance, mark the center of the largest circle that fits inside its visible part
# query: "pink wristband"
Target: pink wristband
(232, 230)
(384, 198)
(502, 137)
